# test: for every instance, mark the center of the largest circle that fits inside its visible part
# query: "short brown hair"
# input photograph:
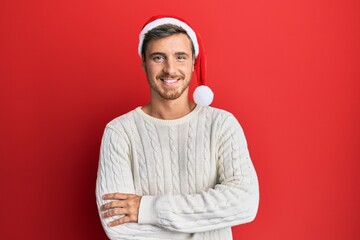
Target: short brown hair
(163, 31)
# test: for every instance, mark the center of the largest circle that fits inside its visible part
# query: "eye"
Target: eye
(158, 58)
(181, 57)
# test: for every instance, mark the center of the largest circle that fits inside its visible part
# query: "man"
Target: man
(174, 169)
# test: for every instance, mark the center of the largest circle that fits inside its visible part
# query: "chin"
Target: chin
(170, 96)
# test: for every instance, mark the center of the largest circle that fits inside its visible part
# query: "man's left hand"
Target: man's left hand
(121, 204)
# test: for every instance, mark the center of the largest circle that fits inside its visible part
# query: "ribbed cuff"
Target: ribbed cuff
(147, 213)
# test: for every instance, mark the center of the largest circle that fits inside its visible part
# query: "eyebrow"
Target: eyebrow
(157, 53)
(163, 54)
(182, 53)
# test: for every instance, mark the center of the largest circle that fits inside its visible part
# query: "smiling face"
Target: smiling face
(169, 63)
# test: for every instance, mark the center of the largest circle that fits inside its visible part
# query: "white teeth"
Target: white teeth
(170, 81)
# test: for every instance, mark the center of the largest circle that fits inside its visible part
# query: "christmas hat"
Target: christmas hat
(202, 95)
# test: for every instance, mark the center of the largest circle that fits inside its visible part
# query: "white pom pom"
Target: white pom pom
(203, 95)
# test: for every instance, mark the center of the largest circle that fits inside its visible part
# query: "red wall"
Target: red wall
(289, 71)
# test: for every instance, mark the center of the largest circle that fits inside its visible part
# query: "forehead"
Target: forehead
(174, 43)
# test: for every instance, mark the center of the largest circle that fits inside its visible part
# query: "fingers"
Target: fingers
(114, 212)
(116, 196)
(125, 219)
(113, 204)
(125, 206)
(119, 221)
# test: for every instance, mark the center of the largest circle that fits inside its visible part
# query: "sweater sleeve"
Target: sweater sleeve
(234, 200)
(115, 175)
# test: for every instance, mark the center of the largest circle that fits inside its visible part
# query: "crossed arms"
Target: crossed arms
(125, 215)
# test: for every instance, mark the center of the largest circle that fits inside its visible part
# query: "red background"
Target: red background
(288, 70)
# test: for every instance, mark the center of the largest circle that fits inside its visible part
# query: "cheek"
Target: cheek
(189, 69)
(151, 70)
(186, 68)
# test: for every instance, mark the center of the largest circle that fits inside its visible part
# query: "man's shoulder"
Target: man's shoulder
(122, 121)
(223, 118)
(219, 112)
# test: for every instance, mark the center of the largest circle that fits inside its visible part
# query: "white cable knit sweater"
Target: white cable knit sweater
(194, 173)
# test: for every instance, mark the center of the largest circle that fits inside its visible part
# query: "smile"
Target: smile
(169, 82)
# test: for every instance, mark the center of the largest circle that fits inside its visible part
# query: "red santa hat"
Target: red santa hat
(202, 95)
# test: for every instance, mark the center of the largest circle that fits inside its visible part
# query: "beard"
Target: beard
(169, 93)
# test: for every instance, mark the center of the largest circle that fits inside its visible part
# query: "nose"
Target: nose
(170, 67)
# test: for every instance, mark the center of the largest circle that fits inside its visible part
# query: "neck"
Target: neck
(169, 109)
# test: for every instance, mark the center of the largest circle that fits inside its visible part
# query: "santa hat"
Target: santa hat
(202, 95)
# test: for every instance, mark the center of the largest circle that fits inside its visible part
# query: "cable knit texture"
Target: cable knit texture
(194, 173)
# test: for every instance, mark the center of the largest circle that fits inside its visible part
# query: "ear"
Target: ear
(193, 64)
(143, 63)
